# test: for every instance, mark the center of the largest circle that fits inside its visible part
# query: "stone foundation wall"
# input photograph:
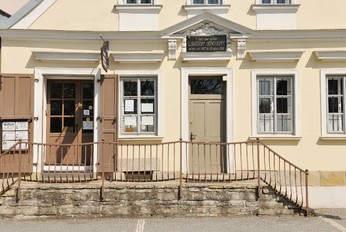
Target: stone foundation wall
(139, 200)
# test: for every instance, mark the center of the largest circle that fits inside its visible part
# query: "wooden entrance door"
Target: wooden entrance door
(207, 125)
(70, 117)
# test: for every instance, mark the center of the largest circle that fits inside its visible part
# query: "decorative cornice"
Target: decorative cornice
(331, 55)
(275, 8)
(206, 56)
(66, 56)
(147, 57)
(277, 56)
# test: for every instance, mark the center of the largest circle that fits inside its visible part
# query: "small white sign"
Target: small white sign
(7, 144)
(22, 125)
(88, 125)
(86, 112)
(8, 135)
(129, 105)
(8, 126)
(130, 121)
(147, 107)
(147, 120)
(23, 135)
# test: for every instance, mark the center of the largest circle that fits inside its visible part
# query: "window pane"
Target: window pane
(88, 108)
(69, 90)
(283, 1)
(206, 86)
(56, 90)
(147, 106)
(282, 87)
(265, 123)
(266, 1)
(88, 91)
(69, 123)
(130, 124)
(282, 105)
(198, 1)
(145, 1)
(333, 105)
(284, 122)
(213, 1)
(130, 88)
(264, 87)
(147, 123)
(131, 1)
(335, 122)
(130, 106)
(56, 107)
(265, 105)
(335, 86)
(148, 88)
(55, 125)
(69, 107)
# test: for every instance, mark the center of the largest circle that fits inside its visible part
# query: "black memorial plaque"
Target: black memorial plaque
(214, 43)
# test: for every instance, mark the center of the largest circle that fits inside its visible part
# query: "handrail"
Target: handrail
(176, 160)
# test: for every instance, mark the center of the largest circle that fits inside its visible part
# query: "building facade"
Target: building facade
(201, 70)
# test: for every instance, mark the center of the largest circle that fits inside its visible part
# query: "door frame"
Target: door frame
(227, 74)
(40, 103)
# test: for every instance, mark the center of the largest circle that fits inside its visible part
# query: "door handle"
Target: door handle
(192, 136)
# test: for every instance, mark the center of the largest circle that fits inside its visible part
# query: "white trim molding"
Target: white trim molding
(296, 134)
(277, 56)
(146, 57)
(323, 75)
(67, 56)
(206, 56)
(331, 55)
(144, 73)
(40, 99)
(227, 74)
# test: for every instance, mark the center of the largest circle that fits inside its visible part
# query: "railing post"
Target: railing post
(181, 169)
(258, 169)
(103, 171)
(19, 171)
(307, 191)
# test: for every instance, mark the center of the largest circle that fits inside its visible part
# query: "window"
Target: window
(139, 105)
(275, 104)
(275, 2)
(336, 104)
(206, 2)
(139, 2)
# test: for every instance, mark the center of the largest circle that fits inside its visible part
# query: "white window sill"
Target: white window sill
(333, 137)
(139, 137)
(207, 7)
(276, 137)
(139, 7)
(275, 8)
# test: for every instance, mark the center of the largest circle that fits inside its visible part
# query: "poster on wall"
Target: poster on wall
(13, 132)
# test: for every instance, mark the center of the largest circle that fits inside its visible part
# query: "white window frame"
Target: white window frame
(205, 2)
(295, 114)
(128, 74)
(138, 2)
(276, 2)
(325, 75)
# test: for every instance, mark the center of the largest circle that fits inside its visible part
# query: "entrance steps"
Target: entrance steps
(143, 199)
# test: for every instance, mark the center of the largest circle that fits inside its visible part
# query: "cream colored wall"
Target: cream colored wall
(81, 15)
(91, 15)
(308, 152)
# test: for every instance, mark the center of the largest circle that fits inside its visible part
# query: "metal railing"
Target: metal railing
(178, 160)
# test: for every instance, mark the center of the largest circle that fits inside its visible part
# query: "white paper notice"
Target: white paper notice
(8, 126)
(8, 135)
(148, 120)
(86, 112)
(22, 125)
(88, 125)
(148, 107)
(130, 121)
(7, 144)
(129, 105)
(22, 135)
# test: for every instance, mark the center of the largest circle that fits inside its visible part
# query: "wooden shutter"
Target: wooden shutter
(108, 113)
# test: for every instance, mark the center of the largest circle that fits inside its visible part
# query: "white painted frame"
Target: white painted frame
(296, 101)
(40, 103)
(323, 75)
(227, 74)
(143, 73)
